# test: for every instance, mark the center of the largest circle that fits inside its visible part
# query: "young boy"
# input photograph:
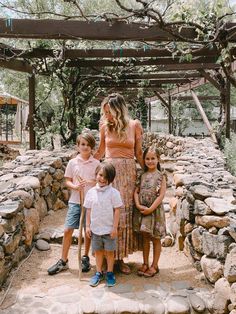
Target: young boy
(103, 204)
(79, 175)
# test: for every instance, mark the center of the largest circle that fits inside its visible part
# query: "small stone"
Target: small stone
(9, 209)
(178, 305)
(45, 236)
(218, 205)
(197, 303)
(42, 245)
(212, 268)
(168, 241)
(230, 266)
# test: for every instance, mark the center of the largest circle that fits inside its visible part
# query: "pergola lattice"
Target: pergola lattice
(163, 69)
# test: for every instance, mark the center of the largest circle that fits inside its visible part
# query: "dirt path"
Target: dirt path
(175, 270)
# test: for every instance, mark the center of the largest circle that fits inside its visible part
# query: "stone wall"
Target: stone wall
(30, 187)
(202, 213)
(203, 218)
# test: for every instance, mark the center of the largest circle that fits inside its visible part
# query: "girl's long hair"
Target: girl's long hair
(119, 111)
(155, 150)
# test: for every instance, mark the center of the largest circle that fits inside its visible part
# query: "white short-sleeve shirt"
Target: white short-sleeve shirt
(102, 202)
(78, 167)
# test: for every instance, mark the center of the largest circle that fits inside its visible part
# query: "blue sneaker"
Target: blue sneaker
(110, 279)
(94, 281)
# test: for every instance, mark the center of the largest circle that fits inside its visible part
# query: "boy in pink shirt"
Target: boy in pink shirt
(79, 174)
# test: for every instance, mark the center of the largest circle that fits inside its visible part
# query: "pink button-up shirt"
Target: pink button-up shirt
(78, 167)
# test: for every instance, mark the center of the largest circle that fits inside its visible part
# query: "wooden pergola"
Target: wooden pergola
(167, 75)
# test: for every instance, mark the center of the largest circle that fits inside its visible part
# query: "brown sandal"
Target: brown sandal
(124, 268)
(142, 270)
(151, 272)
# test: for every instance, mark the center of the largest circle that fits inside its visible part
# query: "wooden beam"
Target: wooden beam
(150, 81)
(210, 79)
(204, 117)
(181, 89)
(170, 115)
(100, 30)
(153, 61)
(9, 52)
(16, 65)
(74, 29)
(157, 75)
(132, 85)
(161, 67)
(149, 117)
(31, 111)
(227, 109)
(190, 98)
(166, 104)
(147, 76)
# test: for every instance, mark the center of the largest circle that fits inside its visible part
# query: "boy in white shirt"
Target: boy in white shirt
(103, 204)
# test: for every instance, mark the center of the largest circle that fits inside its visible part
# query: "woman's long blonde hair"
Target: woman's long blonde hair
(119, 111)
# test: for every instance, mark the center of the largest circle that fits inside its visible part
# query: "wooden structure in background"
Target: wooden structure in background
(11, 118)
(167, 75)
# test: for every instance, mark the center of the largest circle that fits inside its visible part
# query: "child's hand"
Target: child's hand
(88, 232)
(147, 211)
(142, 208)
(80, 185)
(113, 234)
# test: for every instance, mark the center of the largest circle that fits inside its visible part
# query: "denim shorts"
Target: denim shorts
(103, 242)
(73, 216)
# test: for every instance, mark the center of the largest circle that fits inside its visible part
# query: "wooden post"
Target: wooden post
(170, 115)
(227, 109)
(149, 116)
(31, 111)
(204, 117)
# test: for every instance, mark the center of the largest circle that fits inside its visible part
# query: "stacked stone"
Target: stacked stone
(167, 144)
(7, 153)
(203, 216)
(30, 187)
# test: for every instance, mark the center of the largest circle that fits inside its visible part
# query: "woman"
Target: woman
(120, 142)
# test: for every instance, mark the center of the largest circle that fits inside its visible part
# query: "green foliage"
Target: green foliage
(93, 116)
(230, 153)
(181, 119)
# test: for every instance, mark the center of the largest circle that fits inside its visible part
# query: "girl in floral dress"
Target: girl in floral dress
(149, 216)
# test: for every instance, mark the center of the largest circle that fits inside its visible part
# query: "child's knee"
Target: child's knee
(68, 232)
(109, 253)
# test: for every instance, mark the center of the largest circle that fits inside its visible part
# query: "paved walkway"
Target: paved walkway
(33, 291)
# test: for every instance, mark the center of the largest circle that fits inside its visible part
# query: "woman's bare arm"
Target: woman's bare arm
(101, 148)
(139, 153)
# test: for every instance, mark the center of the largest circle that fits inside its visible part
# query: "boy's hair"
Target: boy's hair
(88, 137)
(156, 151)
(109, 171)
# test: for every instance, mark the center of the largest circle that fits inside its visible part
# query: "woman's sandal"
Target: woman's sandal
(142, 269)
(151, 272)
(124, 268)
